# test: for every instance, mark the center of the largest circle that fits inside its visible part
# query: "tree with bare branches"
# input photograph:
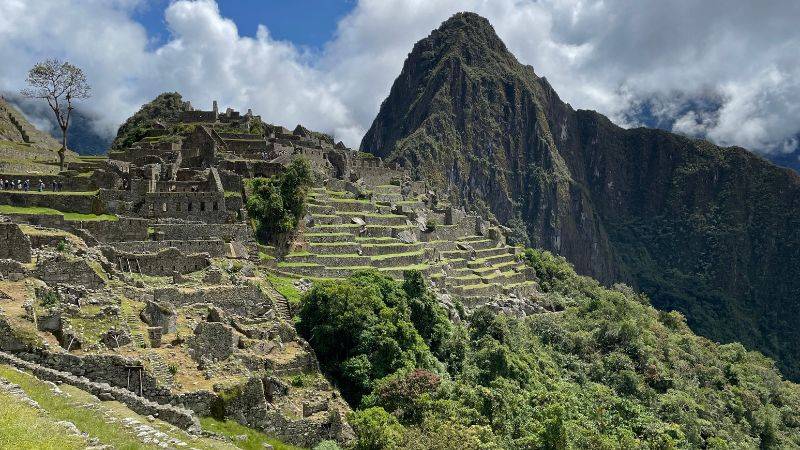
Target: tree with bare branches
(60, 83)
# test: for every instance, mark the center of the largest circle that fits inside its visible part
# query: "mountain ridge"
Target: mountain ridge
(710, 231)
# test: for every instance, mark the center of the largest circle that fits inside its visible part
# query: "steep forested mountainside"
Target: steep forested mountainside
(712, 232)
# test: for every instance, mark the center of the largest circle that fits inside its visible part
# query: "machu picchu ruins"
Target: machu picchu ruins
(139, 277)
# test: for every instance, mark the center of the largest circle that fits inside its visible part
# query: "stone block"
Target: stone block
(213, 340)
(159, 314)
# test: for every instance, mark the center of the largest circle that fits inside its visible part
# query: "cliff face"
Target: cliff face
(713, 232)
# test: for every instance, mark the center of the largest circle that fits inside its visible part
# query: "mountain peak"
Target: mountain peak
(487, 132)
(466, 27)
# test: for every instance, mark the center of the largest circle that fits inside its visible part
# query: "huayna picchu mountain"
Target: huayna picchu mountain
(712, 232)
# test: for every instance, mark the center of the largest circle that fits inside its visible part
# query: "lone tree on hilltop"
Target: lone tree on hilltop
(60, 83)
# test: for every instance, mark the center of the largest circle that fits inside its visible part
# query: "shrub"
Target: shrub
(431, 225)
(327, 445)
(276, 204)
(363, 329)
(376, 429)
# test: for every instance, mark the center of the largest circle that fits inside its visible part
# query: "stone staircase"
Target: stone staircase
(281, 304)
(159, 369)
(134, 327)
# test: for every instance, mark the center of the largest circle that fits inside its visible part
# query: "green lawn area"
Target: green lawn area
(59, 408)
(255, 440)
(23, 427)
(8, 209)
(285, 286)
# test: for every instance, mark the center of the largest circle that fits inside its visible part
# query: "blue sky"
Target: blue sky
(305, 23)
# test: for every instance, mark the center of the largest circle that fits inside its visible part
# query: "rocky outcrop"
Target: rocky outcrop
(713, 232)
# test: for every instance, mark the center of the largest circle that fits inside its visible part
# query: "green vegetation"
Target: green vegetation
(253, 440)
(285, 286)
(369, 326)
(23, 427)
(61, 408)
(277, 204)
(605, 371)
(8, 209)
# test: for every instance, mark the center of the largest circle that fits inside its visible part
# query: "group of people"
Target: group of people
(19, 185)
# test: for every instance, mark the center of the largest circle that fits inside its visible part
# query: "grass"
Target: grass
(397, 255)
(41, 211)
(101, 420)
(60, 408)
(22, 426)
(254, 440)
(285, 286)
(297, 264)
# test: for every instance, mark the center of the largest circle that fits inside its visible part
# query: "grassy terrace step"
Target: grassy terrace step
(491, 260)
(478, 242)
(389, 248)
(524, 285)
(326, 219)
(465, 280)
(478, 290)
(351, 204)
(335, 228)
(455, 254)
(378, 240)
(398, 259)
(507, 277)
(7, 209)
(384, 230)
(374, 218)
(324, 248)
(318, 271)
(499, 266)
(492, 251)
(315, 237)
(330, 260)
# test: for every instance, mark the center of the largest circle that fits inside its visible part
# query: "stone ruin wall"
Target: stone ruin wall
(202, 206)
(14, 244)
(164, 263)
(214, 247)
(245, 300)
(122, 229)
(201, 231)
(65, 202)
(107, 374)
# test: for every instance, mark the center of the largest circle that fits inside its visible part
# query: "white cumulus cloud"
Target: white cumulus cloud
(612, 56)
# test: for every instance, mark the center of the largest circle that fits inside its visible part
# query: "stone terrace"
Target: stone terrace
(344, 234)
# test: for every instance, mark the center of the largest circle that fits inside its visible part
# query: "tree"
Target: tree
(60, 83)
(277, 204)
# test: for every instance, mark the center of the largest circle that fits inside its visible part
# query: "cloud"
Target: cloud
(722, 70)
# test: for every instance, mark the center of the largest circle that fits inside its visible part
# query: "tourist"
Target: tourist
(54, 185)
(27, 185)
(1, 183)
(41, 185)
